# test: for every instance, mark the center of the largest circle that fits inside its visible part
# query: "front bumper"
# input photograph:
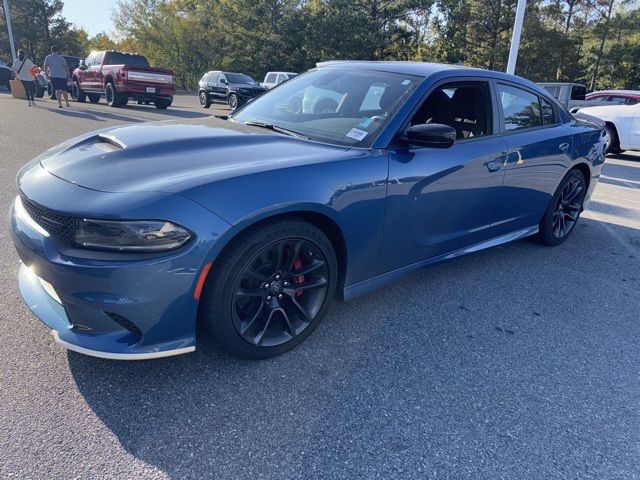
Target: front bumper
(111, 307)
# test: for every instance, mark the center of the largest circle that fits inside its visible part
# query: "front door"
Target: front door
(441, 200)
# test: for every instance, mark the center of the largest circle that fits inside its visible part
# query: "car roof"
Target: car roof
(425, 69)
(634, 93)
(554, 84)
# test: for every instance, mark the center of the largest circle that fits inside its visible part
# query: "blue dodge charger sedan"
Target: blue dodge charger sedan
(251, 224)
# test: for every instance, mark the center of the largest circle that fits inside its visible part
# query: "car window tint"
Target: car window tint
(521, 109)
(271, 78)
(97, 60)
(548, 112)
(465, 107)
(578, 92)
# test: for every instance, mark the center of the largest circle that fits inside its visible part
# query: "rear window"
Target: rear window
(128, 59)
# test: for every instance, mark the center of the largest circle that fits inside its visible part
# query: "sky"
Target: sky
(93, 15)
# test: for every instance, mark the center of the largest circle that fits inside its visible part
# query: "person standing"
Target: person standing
(57, 72)
(22, 66)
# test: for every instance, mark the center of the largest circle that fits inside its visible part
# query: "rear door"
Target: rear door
(540, 152)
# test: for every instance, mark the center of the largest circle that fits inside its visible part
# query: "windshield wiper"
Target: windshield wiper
(275, 128)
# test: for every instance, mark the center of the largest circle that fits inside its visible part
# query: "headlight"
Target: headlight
(130, 235)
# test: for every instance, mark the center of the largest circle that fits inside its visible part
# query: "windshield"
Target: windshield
(118, 58)
(239, 78)
(341, 106)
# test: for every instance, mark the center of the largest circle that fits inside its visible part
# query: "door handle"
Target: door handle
(495, 165)
(564, 147)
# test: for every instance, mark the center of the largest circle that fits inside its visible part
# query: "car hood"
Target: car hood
(173, 156)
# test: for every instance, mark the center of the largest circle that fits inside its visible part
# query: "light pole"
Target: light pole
(9, 29)
(515, 38)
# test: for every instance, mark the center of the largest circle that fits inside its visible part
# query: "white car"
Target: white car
(271, 79)
(622, 125)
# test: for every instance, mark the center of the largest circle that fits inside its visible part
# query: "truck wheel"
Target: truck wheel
(205, 101)
(93, 97)
(233, 101)
(162, 103)
(76, 92)
(114, 99)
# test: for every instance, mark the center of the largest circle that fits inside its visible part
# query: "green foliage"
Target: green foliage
(596, 42)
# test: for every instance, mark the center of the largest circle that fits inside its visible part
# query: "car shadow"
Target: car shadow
(624, 156)
(387, 375)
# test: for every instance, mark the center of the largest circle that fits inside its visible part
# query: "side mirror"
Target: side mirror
(223, 80)
(82, 66)
(434, 135)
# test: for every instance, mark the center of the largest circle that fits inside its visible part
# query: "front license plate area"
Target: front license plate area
(151, 90)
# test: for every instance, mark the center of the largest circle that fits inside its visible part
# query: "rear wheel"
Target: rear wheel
(162, 103)
(270, 289)
(113, 97)
(77, 93)
(564, 209)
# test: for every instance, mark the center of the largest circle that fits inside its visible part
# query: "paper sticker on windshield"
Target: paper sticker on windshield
(357, 134)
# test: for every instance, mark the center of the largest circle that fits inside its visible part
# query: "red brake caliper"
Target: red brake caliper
(300, 278)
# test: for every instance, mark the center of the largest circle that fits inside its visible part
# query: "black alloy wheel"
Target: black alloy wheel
(564, 209)
(270, 289)
(77, 93)
(280, 292)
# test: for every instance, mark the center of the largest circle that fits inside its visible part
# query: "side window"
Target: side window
(206, 77)
(464, 106)
(548, 112)
(632, 101)
(521, 109)
(553, 90)
(281, 78)
(578, 92)
(89, 60)
(271, 78)
(221, 77)
(213, 78)
(617, 100)
(98, 59)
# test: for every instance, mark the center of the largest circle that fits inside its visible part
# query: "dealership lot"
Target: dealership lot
(517, 362)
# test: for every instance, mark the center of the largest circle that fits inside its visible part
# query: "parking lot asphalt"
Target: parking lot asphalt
(519, 362)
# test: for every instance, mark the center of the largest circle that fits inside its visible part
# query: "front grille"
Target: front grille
(57, 225)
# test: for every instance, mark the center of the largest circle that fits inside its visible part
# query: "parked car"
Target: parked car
(6, 74)
(615, 97)
(234, 89)
(622, 124)
(44, 86)
(271, 79)
(120, 76)
(251, 224)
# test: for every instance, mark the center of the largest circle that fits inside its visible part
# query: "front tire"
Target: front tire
(77, 93)
(233, 101)
(613, 142)
(564, 209)
(205, 101)
(269, 289)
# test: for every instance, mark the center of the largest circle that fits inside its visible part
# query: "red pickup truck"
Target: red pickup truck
(121, 76)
